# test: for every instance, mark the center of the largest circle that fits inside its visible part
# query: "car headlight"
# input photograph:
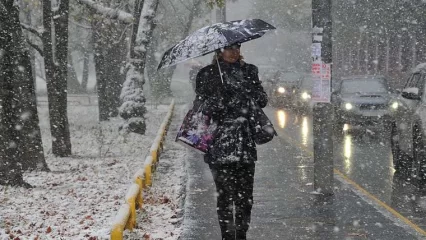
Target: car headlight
(395, 105)
(305, 96)
(348, 106)
(281, 90)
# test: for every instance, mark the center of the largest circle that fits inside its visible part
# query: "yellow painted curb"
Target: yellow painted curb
(126, 216)
(120, 222)
(148, 171)
(131, 197)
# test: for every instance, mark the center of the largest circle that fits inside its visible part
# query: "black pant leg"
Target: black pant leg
(224, 178)
(244, 199)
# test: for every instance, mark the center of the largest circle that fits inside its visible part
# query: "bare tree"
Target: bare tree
(110, 30)
(56, 65)
(111, 48)
(20, 139)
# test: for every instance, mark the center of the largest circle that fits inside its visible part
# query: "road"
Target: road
(378, 204)
(363, 156)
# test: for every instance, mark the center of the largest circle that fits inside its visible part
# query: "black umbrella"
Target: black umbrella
(210, 38)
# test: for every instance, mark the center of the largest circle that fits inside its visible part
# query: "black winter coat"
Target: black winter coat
(229, 104)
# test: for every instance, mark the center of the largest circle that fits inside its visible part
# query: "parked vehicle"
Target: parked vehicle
(408, 135)
(363, 101)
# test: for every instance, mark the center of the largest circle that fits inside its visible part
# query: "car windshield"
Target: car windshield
(364, 85)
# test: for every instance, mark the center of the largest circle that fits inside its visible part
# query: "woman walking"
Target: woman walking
(228, 89)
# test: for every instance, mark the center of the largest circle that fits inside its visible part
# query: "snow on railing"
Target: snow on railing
(126, 216)
(120, 222)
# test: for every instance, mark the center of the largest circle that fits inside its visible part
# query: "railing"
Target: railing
(126, 216)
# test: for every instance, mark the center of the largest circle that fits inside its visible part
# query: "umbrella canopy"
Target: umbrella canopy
(210, 38)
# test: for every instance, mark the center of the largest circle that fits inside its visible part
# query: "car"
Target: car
(282, 88)
(302, 100)
(408, 134)
(363, 101)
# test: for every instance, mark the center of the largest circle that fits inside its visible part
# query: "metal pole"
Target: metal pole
(323, 112)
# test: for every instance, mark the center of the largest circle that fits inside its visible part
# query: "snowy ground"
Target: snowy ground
(81, 195)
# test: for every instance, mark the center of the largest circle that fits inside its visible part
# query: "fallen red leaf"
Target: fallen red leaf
(49, 230)
(165, 200)
(112, 163)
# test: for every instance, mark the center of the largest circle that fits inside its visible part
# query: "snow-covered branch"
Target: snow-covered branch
(146, 26)
(111, 13)
(32, 30)
(79, 24)
(37, 48)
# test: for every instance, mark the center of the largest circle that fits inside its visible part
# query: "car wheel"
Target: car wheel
(419, 157)
(396, 151)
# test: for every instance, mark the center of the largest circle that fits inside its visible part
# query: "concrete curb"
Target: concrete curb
(126, 216)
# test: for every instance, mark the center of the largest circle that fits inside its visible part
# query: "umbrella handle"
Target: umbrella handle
(220, 71)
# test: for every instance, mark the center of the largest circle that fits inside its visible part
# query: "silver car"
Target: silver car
(408, 136)
(363, 101)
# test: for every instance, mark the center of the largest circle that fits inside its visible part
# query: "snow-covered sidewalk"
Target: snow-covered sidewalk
(79, 198)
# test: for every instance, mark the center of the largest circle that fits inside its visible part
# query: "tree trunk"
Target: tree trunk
(56, 76)
(110, 53)
(115, 77)
(85, 76)
(20, 139)
(99, 57)
(133, 107)
(29, 22)
(73, 85)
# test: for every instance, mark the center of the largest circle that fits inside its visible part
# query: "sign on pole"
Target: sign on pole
(321, 77)
(316, 51)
